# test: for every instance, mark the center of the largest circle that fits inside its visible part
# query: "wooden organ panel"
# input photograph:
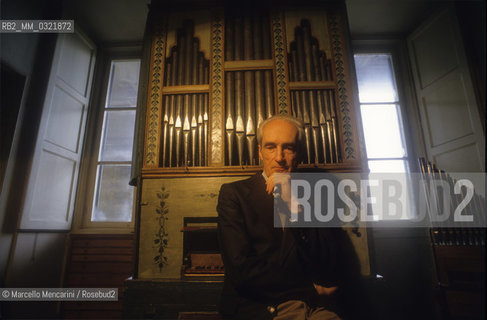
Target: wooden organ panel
(228, 69)
(98, 261)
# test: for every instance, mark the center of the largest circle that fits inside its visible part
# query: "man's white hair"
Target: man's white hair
(295, 121)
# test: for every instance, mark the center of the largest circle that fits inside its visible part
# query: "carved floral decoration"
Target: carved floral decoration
(161, 237)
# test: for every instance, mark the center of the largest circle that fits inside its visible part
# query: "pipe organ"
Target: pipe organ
(227, 69)
(213, 74)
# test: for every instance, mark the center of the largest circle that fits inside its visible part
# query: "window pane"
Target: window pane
(118, 135)
(391, 212)
(113, 195)
(375, 78)
(386, 166)
(124, 82)
(391, 195)
(383, 138)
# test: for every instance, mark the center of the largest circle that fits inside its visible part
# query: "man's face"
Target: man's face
(278, 150)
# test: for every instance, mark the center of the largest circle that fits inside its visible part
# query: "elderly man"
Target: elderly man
(273, 273)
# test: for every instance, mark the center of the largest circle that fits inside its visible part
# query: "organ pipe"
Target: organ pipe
(316, 107)
(247, 36)
(247, 105)
(249, 95)
(185, 115)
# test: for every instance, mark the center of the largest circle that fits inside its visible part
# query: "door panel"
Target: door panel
(52, 200)
(434, 48)
(446, 109)
(452, 131)
(65, 121)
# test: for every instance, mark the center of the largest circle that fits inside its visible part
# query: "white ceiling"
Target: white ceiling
(109, 20)
(388, 17)
(124, 20)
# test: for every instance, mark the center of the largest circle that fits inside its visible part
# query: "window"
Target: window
(381, 116)
(113, 197)
(380, 108)
(107, 199)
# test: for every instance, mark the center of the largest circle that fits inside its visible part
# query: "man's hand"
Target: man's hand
(269, 185)
(283, 180)
(324, 291)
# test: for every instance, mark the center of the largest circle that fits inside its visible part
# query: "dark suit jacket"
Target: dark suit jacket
(265, 266)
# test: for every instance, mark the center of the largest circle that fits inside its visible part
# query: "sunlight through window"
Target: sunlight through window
(381, 121)
(380, 110)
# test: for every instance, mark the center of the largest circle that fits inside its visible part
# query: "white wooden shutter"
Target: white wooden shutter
(452, 130)
(53, 178)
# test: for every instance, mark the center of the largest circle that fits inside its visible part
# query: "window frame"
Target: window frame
(86, 186)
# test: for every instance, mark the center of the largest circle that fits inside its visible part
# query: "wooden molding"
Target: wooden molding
(154, 95)
(281, 87)
(312, 85)
(157, 173)
(249, 65)
(217, 97)
(194, 88)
